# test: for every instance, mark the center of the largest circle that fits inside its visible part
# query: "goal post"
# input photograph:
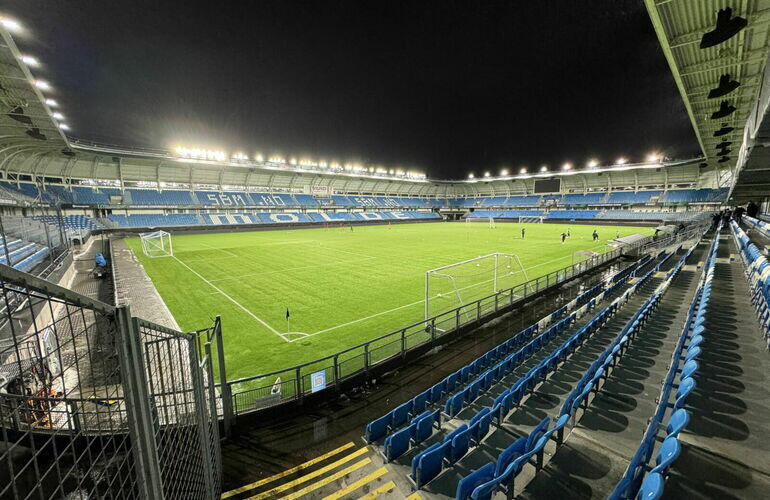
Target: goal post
(455, 285)
(157, 244)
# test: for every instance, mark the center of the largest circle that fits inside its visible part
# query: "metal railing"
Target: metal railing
(95, 403)
(265, 390)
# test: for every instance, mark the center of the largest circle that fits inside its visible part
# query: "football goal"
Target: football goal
(489, 220)
(457, 284)
(157, 244)
(531, 220)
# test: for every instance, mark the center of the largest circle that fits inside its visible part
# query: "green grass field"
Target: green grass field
(341, 287)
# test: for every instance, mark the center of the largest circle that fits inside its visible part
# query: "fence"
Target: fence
(95, 403)
(270, 389)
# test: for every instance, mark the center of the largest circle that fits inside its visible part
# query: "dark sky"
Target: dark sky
(445, 87)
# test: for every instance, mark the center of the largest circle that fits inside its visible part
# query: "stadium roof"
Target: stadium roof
(720, 69)
(32, 142)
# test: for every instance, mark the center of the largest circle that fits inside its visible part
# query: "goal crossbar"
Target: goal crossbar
(157, 244)
(492, 275)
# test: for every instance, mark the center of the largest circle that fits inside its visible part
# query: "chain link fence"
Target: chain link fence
(95, 403)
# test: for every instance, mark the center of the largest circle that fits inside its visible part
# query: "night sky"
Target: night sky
(444, 87)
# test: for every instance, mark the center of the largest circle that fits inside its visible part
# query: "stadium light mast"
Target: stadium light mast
(593, 163)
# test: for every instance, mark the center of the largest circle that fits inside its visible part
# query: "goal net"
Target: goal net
(157, 244)
(489, 220)
(457, 284)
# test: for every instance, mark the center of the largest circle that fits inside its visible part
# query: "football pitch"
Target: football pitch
(340, 287)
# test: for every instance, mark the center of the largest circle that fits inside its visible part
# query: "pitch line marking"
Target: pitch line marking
(220, 250)
(212, 285)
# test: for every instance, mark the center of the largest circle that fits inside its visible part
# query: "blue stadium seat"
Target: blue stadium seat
(476, 478)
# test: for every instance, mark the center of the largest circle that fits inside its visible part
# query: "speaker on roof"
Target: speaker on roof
(725, 109)
(17, 114)
(724, 152)
(723, 131)
(724, 159)
(726, 85)
(727, 27)
(723, 144)
(36, 134)
(67, 152)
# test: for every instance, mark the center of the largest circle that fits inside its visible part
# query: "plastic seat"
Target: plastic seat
(377, 429)
(696, 341)
(398, 443)
(692, 354)
(537, 432)
(437, 391)
(454, 404)
(689, 369)
(459, 445)
(467, 484)
(401, 414)
(479, 425)
(428, 463)
(677, 422)
(424, 425)
(508, 455)
(420, 401)
(669, 451)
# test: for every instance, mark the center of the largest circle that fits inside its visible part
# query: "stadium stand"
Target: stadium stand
(74, 222)
(506, 374)
(584, 199)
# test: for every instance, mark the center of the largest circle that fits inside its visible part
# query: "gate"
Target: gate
(95, 403)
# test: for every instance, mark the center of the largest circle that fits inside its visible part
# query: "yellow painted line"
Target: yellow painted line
(379, 491)
(285, 473)
(308, 477)
(327, 480)
(354, 486)
(414, 496)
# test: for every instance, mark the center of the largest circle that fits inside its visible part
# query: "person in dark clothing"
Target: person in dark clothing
(739, 214)
(595, 235)
(523, 232)
(715, 220)
(563, 237)
(752, 209)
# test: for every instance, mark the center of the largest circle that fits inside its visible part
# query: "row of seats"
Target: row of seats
(484, 482)
(74, 222)
(440, 393)
(23, 255)
(757, 273)
(671, 417)
(592, 214)
(430, 462)
(84, 195)
(331, 218)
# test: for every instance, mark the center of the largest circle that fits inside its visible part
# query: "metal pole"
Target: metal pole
(427, 294)
(497, 260)
(5, 242)
(138, 410)
(226, 390)
(199, 392)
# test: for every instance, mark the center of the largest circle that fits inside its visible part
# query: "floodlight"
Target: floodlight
(471, 176)
(544, 168)
(30, 61)
(64, 126)
(593, 163)
(52, 103)
(523, 170)
(42, 85)
(486, 174)
(566, 166)
(653, 158)
(58, 116)
(504, 172)
(621, 161)
(10, 24)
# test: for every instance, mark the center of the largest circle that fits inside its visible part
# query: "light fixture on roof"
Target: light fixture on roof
(653, 158)
(58, 116)
(64, 126)
(259, 157)
(42, 85)
(725, 109)
(593, 163)
(726, 85)
(30, 61)
(487, 174)
(723, 131)
(544, 168)
(10, 24)
(726, 28)
(504, 172)
(52, 103)
(621, 161)
(523, 170)
(567, 166)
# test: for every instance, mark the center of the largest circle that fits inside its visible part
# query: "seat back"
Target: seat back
(467, 484)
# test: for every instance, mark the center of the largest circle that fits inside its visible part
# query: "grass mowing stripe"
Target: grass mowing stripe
(335, 290)
(287, 472)
(230, 299)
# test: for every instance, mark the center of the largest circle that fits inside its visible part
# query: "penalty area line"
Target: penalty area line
(260, 321)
